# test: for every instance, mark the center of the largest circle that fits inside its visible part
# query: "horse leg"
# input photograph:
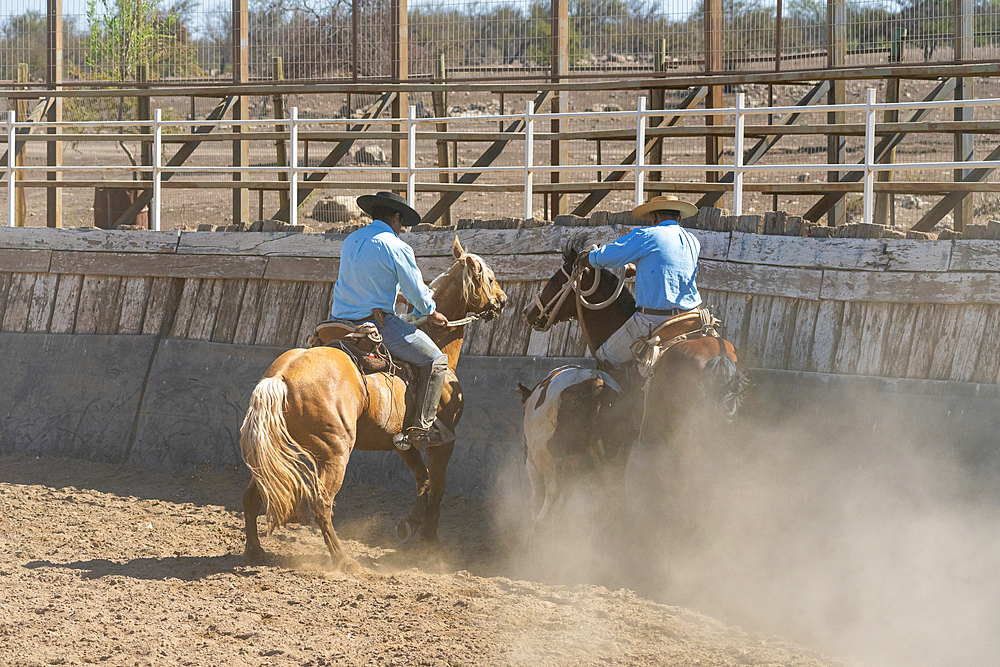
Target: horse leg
(437, 464)
(331, 479)
(252, 503)
(537, 497)
(406, 528)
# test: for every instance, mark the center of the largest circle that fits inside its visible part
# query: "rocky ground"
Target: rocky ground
(101, 564)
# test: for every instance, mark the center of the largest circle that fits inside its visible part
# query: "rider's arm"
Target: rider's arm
(411, 282)
(625, 250)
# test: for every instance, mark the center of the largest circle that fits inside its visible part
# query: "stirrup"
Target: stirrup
(418, 438)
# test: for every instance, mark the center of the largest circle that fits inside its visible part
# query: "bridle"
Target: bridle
(573, 284)
(488, 313)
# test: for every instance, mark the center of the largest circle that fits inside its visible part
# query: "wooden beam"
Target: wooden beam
(485, 160)
(836, 57)
(440, 103)
(338, 153)
(671, 80)
(178, 159)
(692, 100)
(280, 154)
(820, 208)
(754, 155)
(964, 144)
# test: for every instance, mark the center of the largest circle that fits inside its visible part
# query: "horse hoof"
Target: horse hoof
(254, 556)
(404, 531)
(350, 566)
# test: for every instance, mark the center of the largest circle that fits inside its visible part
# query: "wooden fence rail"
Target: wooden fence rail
(893, 308)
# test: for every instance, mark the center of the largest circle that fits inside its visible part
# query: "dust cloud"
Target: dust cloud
(865, 526)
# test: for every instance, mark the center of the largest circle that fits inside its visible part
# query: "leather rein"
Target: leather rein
(574, 284)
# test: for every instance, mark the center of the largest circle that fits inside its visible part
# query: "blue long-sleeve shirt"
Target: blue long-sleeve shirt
(375, 265)
(666, 263)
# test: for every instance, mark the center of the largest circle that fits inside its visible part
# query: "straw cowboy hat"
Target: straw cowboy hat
(663, 203)
(391, 201)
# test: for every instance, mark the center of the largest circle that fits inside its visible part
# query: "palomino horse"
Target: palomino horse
(693, 374)
(313, 407)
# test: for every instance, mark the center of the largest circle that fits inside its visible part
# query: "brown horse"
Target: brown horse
(689, 377)
(313, 407)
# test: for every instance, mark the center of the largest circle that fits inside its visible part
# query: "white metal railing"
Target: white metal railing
(639, 169)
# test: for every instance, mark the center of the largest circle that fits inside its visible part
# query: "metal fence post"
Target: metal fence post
(156, 162)
(640, 148)
(411, 156)
(10, 167)
(738, 155)
(529, 158)
(293, 165)
(869, 156)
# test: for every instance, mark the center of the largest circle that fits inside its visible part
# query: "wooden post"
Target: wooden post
(836, 56)
(143, 112)
(440, 102)
(241, 74)
(280, 154)
(399, 29)
(657, 100)
(964, 143)
(885, 203)
(20, 210)
(560, 100)
(54, 79)
(713, 64)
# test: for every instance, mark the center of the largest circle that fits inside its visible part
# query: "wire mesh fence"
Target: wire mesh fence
(192, 40)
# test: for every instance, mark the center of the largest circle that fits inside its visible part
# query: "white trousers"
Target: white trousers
(618, 349)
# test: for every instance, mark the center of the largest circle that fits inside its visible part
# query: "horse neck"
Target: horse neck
(601, 324)
(448, 299)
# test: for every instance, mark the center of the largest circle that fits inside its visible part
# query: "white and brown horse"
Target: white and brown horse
(313, 407)
(691, 375)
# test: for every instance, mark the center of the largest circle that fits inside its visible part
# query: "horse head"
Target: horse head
(468, 287)
(596, 289)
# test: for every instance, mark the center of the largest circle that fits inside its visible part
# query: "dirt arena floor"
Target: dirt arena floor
(101, 564)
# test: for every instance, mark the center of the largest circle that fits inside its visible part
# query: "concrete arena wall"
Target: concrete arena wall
(178, 404)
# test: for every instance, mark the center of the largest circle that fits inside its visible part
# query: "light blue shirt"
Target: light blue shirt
(375, 265)
(666, 263)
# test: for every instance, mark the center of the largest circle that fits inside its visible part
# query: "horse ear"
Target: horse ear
(456, 248)
(523, 391)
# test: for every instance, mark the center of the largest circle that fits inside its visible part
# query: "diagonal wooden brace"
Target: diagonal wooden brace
(882, 148)
(485, 160)
(752, 156)
(948, 202)
(185, 151)
(36, 115)
(342, 148)
(595, 197)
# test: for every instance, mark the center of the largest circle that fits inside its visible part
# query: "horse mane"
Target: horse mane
(468, 277)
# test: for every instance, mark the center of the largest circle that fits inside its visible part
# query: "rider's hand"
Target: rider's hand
(629, 271)
(584, 260)
(437, 319)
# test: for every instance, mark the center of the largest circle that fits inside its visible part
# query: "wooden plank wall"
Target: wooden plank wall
(893, 308)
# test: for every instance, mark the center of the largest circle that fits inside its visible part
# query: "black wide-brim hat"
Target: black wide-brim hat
(391, 201)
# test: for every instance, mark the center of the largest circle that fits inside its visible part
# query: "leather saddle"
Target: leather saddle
(679, 328)
(363, 343)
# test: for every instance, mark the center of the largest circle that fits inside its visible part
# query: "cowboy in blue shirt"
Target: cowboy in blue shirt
(665, 258)
(376, 266)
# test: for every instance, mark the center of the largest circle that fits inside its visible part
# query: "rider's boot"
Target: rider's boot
(623, 374)
(424, 434)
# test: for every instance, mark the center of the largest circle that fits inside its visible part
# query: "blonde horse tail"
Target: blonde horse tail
(284, 472)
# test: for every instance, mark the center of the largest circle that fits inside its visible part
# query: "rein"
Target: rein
(573, 284)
